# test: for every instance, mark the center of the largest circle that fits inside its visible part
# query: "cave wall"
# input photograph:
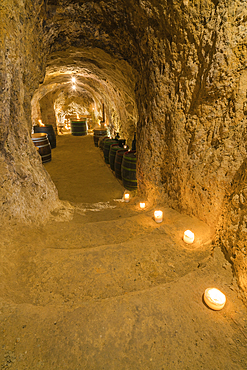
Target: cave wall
(48, 116)
(194, 115)
(26, 190)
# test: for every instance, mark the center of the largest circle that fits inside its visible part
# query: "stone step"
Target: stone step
(105, 259)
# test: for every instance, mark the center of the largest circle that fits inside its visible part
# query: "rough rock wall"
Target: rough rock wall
(193, 124)
(47, 110)
(25, 187)
(232, 230)
(195, 117)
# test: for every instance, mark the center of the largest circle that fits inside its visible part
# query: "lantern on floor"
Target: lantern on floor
(214, 298)
(158, 216)
(188, 237)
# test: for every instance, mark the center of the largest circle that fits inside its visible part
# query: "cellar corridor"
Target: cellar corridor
(108, 288)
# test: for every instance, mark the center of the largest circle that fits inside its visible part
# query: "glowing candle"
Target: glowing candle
(142, 205)
(214, 298)
(73, 79)
(74, 87)
(158, 216)
(126, 197)
(188, 237)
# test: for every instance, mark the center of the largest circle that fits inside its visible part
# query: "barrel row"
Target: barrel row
(121, 161)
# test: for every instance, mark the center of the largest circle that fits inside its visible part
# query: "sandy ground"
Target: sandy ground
(111, 289)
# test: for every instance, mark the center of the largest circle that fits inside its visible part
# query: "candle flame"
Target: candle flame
(41, 123)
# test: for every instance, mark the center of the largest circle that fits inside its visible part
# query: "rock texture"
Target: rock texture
(179, 67)
(26, 190)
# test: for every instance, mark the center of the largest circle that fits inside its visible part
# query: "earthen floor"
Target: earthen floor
(108, 288)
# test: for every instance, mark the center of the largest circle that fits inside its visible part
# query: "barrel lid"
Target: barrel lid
(79, 120)
(111, 141)
(38, 135)
(99, 130)
(115, 147)
(131, 154)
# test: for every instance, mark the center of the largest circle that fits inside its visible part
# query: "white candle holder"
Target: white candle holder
(188, 237)
(214, 298)
(142, 205)
(126, 197)
(158, 216)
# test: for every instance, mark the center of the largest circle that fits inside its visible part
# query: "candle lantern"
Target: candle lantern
(142, 205)
(158, 216)
(214, 298)
(126, 197)
(188, 237)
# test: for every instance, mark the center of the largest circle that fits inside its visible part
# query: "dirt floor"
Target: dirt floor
(105, 287)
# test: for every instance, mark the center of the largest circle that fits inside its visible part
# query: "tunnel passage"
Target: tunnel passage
(88, 82)
(189, 59)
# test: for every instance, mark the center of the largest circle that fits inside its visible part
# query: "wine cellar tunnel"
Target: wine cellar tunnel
(172, 72)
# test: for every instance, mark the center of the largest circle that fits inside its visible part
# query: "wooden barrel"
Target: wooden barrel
(128, 170)
(101, 142)
(97, 134)
(107, 144)
(79, 128)
(112, 154)
(118, 163)
(48, 129)
(41, 141)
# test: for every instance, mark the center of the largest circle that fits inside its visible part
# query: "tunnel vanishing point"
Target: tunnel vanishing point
(174, 71)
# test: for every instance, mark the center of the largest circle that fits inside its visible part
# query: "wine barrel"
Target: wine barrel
(128, 170)
(118, 163)
(48, 129)
(112, 154)
(41, 141)
(79, 128)
(101, 142)
(107, 144)
(97, 134)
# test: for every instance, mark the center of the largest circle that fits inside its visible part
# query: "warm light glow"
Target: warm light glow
(188, 237)
(142, 205)
(125, 147)
(126, 197)
(41, 123)
(77, 116)
(74, 87)
(214, 298)
(67, 126)
(73, 79)
(158, 216)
